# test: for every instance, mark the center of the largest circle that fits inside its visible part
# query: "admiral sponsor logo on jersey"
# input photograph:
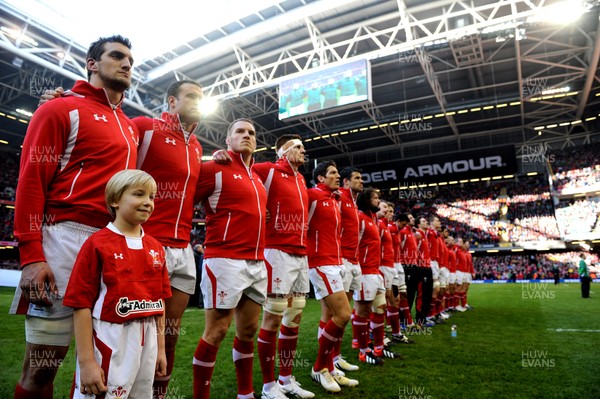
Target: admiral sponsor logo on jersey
(126, 307)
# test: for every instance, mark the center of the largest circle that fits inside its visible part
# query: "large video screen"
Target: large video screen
(325, 89)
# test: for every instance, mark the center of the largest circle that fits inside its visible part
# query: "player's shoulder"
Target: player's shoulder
(143, 123)
(56, 108)
(263, 167)
(315, 194)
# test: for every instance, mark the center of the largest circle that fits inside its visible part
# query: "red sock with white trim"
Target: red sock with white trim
(331, 334)
(360, 328)
(377, 327)
(393, 316)
(243, 358)
(267, 346)
(203, 367)
(288, 342)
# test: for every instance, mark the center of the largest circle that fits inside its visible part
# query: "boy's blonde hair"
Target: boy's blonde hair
(123, 180)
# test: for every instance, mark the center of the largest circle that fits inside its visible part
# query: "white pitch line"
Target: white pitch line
(572, 330)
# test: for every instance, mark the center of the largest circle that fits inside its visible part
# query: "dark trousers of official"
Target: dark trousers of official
(419, 285)
(585, 286)
(412, 276)
(425, 292)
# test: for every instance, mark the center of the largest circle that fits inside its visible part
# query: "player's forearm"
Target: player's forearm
(83, 329)
(160, 331)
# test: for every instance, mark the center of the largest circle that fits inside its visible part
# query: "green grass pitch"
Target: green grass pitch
(520, 341)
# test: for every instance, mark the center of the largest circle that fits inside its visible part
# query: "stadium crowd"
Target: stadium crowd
(9, 175)
(576, 169)
(8, 183)
(578, 217)
(510, 211)
(528, 267)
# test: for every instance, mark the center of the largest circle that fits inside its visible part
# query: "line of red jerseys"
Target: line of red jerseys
(464, 260)
(164, 147)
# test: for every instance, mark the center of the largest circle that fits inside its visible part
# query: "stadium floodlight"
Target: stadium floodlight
(563, 12)
(19, 35)
(24, 112)
(208, 105)
(556, 90)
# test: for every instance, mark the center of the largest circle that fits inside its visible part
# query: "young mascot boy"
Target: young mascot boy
(117, 288)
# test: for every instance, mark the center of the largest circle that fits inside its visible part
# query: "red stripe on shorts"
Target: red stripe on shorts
(213, 284)
(269, 277)
(105, 351)
(323, 277)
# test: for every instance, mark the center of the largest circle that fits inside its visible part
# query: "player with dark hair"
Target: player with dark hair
(171, 153)
(352, 186)
(435, 252)
(425, 276)
(326, 272)
(451, 298)
(408, 260)
(59, 201)
(389, 269)
(97, 50)
(444, 274)
(467, 274)
(369, 301)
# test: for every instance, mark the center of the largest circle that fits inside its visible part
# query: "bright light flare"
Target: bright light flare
(564, 12)
(208, 105)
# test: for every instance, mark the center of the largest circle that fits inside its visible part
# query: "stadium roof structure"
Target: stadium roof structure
(447, 75)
